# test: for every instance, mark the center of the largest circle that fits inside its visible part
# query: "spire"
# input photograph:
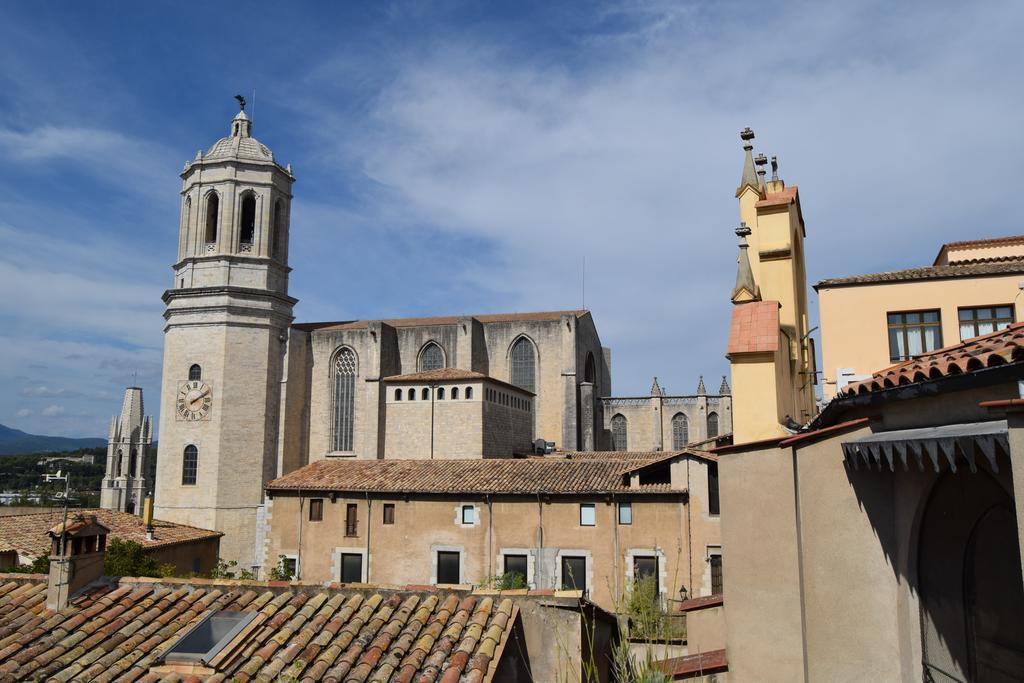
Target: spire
(241, 126)
(723, 389)
(749, 175)
(656, 389)
(760, 161)
(701, 391)
(746, 289)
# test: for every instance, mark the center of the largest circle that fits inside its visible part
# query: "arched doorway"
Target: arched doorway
(969, 577)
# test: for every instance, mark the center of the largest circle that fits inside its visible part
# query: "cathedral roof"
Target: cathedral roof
(240, 144)
(452, 375)
(541, 316)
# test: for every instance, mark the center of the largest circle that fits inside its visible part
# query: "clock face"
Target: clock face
(194, 400)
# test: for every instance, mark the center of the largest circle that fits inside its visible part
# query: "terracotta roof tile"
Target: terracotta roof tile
(28, 533)
(788, 195)
(528, 476)
(976, 268)
(997, 348)
(120, 631)
(685, 667)
(754, 328)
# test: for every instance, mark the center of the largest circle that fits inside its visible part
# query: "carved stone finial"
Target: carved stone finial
(760, 161)
(746, 289)
(749, 177)
(775, 167)
(701, 391)
(723, 389)
(656, 389)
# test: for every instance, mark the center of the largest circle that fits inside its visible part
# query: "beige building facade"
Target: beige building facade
(576, 521)
(870, 321)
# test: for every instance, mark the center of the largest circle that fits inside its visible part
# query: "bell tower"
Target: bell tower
(228, 314)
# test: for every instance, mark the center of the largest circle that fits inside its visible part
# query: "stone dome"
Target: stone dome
(240, 144)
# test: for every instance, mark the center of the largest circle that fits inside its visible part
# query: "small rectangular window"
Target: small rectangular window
(574, 573)
(389, 513)
(588, 514)
(912, 333)
(716, 574)
(316, 509)
(975, 322)
(351, 568)
(290, 565)
(468, 514)
(713, 504)
(625, 513)
(448, 567)
(516, 564)
(351, 520)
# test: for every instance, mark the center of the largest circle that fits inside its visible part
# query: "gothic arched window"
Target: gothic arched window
(680, 431)
(212, 216)
(247, 226)
(431, 357)
(619, 436)
(345, 367)
(195, 373)
(133, 459)
(524, 364)
(712, 425)
(190, 465)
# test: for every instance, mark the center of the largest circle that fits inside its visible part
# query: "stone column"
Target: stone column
(587, 416)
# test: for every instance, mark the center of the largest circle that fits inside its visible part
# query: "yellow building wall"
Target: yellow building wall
(854, 328)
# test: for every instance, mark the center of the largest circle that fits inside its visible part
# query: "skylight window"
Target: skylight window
(211, 635)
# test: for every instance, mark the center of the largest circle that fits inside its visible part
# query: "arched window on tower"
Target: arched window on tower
(712, 425)
(345, 367)
(524, 364)
(398, 394)
(186, 221)
(190, 466)
(619, 436)
(247, 226)
(275, 237)
(212, 217)
(133, 459)
(117, 463)
(195, 373)
(431, 357)
(680, 431)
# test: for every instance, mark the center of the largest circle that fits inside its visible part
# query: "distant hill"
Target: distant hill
(15, 442)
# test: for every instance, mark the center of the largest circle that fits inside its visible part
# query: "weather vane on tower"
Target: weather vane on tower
(241, 102)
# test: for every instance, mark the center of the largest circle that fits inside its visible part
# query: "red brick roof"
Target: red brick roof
(28, 533)
(528, 476)
(755, 327)
(996, 348)
(690, 665)
(452, 375)
(788, 195)
(701, 603)
(542, 316)
(301, 632)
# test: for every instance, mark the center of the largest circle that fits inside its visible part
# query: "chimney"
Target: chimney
(147, 515)
(77, 550)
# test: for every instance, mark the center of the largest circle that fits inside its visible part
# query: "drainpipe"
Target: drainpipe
(538, 542)
(689, 527)
(298, 552)
(615, 549)
(490, 536)
(369, 520)
(433, 393)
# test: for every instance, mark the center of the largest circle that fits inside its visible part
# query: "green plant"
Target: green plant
(647, 618)
(40, 565)
(505, 582)
(167, 571)
(282, 572)
(128, 558)
(229, 570)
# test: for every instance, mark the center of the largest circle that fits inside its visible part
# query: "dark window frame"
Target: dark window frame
(389, 518)
(351, 520)
(998, 323)
(716, 573)
(346, 567)
(316, 509)
(190, 465)
(444, 559)
(588, 506)
(625, 505)
(714, 501)
(571, 578)
(918, 327)
(517, 559)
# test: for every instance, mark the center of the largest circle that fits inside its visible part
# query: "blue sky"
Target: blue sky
(465, 157)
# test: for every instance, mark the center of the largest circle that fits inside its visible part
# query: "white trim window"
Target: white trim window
(588, 514)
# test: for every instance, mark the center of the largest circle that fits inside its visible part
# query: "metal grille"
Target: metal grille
(619, 441)
(432, 357)
(195, 373)
(712, 425)
(524, 365)
(680, 431)
(190, 465)
(716, 574)
(344, 399)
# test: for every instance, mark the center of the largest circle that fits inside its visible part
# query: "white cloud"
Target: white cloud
(53, 410)
(42, 391)
(24, 412)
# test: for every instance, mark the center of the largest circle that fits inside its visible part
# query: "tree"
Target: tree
(128, 558)
(40, 565)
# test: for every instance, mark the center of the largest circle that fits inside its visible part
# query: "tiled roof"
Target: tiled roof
(607, 455)
(28, 533)
(755, 327)
(528, 476)
(302, 632)
(541, 316)
(978, 268)
(452, 375)
(990, 242)
(996, 348)
(786, 196)
(689, 665)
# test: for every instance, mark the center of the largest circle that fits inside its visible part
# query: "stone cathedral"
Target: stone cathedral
(248, 395)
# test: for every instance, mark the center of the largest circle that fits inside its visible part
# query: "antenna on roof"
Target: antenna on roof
(252, 114)
(583, 284)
